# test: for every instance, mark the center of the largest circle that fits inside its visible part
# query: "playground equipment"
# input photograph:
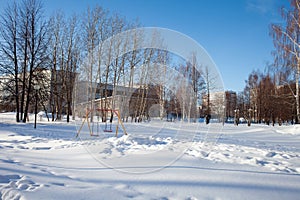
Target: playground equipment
(108, 127)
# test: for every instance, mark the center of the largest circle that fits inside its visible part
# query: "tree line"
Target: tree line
(273, 96)
(24, 46)
(59, 51)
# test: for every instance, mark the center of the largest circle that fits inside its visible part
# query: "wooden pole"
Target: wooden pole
(85, 119)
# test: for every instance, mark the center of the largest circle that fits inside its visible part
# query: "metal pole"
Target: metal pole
(36, 100)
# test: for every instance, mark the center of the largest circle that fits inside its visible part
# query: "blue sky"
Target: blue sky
(235, 33)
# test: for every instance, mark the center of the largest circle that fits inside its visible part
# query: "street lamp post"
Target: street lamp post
(36, 88)
(224, 114)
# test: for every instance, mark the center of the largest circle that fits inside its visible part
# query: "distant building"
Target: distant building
(132, 102)
(230, 103)
(220, 102)
(7, 90)
(6, 99)
(216, 105)
(49, 91)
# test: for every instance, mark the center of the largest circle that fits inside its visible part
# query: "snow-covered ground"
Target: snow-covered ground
(168, 160)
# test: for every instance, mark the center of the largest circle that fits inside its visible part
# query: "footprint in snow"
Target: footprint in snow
(14, 185)
(271, 154)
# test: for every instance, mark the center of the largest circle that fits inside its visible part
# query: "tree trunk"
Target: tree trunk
(24, 71)
(17, 97)
(297, 94)
(28, 96)
(16, 81)
(32, 61)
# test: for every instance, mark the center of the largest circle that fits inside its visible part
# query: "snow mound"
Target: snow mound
(128, 143)
(293, 130)
(229, 153)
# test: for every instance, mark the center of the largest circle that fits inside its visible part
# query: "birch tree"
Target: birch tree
(71, 61)
(252, 91)
(56, 29)
(197, 83)
(91, 40)
(286, 39)
(209, 86)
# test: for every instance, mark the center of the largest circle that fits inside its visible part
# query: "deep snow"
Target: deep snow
(154, 161)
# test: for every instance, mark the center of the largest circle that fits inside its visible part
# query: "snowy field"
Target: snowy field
(168, 160)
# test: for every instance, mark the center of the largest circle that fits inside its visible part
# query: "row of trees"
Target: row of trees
(287, 54)
(59, 51)
(38, 51)
(273, 96)
(145, 81)
(24, 40)
(264, 100)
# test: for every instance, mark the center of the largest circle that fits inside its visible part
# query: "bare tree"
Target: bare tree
(210, 87)
(65, 57)
(133, 59)
(9, 51)
(94, 33)
(71, 62)
(37, 45)
(197, 81)
(56, 29)
(24, 41)
(287, 43)
(251, 92)
(24, 44)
